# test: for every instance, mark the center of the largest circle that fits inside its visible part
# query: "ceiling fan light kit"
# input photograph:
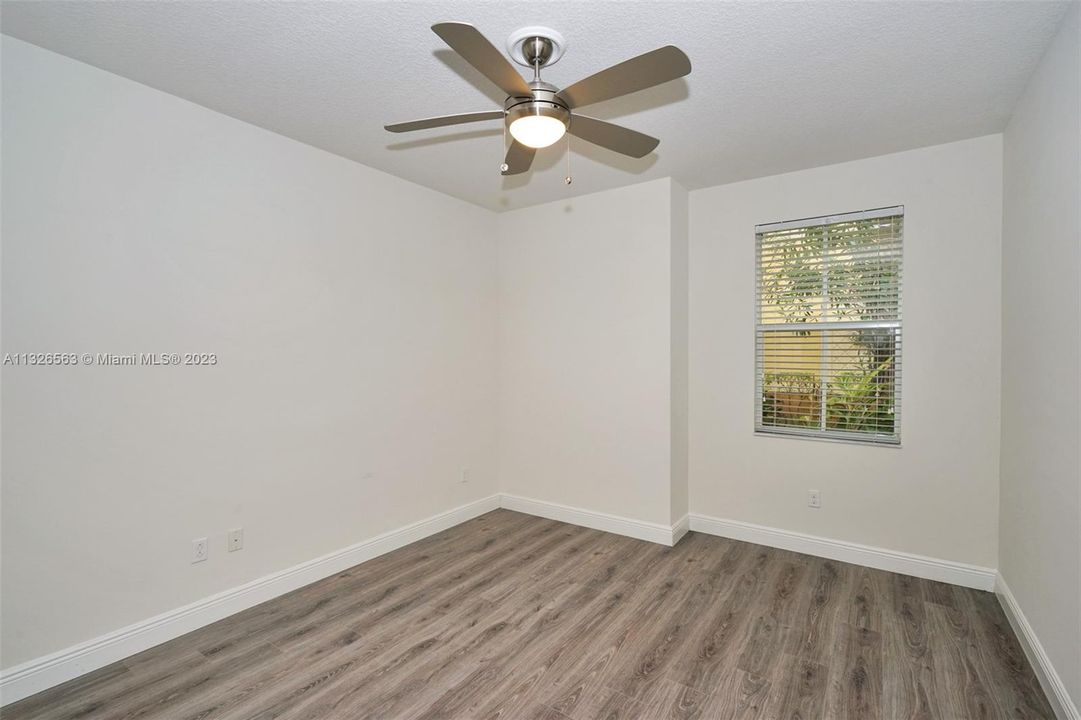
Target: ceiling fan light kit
(537, 114)
(537, 121)
(538, 126)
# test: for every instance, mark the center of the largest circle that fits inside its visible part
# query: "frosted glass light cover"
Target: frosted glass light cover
(537, 131)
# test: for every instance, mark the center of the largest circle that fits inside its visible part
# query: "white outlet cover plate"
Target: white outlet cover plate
(236, 539)
(199, 550)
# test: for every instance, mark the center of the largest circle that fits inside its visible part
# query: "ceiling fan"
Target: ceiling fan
(537, 113)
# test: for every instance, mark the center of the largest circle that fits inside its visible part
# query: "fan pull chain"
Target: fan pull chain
(568, 180)
(504, 167)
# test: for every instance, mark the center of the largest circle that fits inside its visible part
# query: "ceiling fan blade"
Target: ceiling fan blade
(519, 158)
(444, 120)
(614, 137)
(653, 68)
(467, 41)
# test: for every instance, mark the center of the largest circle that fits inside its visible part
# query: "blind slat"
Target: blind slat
(888, 212)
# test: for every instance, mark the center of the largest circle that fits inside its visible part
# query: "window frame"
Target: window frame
(892, 440)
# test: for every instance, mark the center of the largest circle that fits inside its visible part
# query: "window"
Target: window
(828, 327)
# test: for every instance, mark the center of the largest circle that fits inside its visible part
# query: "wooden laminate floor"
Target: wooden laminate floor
(512, 616)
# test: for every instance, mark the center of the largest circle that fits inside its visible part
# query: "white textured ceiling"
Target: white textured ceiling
(775, 86)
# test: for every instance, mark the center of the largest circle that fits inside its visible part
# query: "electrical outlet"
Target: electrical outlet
(814, 498)
(199, 551)
(236, 539)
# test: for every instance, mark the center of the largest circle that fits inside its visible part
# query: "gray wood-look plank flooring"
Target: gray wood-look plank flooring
(513, 616)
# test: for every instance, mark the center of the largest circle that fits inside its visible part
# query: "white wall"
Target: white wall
(937, 495)
(585, 352)
(352, 314)
(1040, 518)
(680, 353)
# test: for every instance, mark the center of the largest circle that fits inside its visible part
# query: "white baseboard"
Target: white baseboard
(681, 528)
(653, 532)
(973, 576)
(39, 674)
(1050, 681)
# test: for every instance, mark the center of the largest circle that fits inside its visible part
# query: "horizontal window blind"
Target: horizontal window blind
(828, 326)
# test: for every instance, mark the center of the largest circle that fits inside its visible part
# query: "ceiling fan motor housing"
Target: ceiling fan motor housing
(543, 103)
